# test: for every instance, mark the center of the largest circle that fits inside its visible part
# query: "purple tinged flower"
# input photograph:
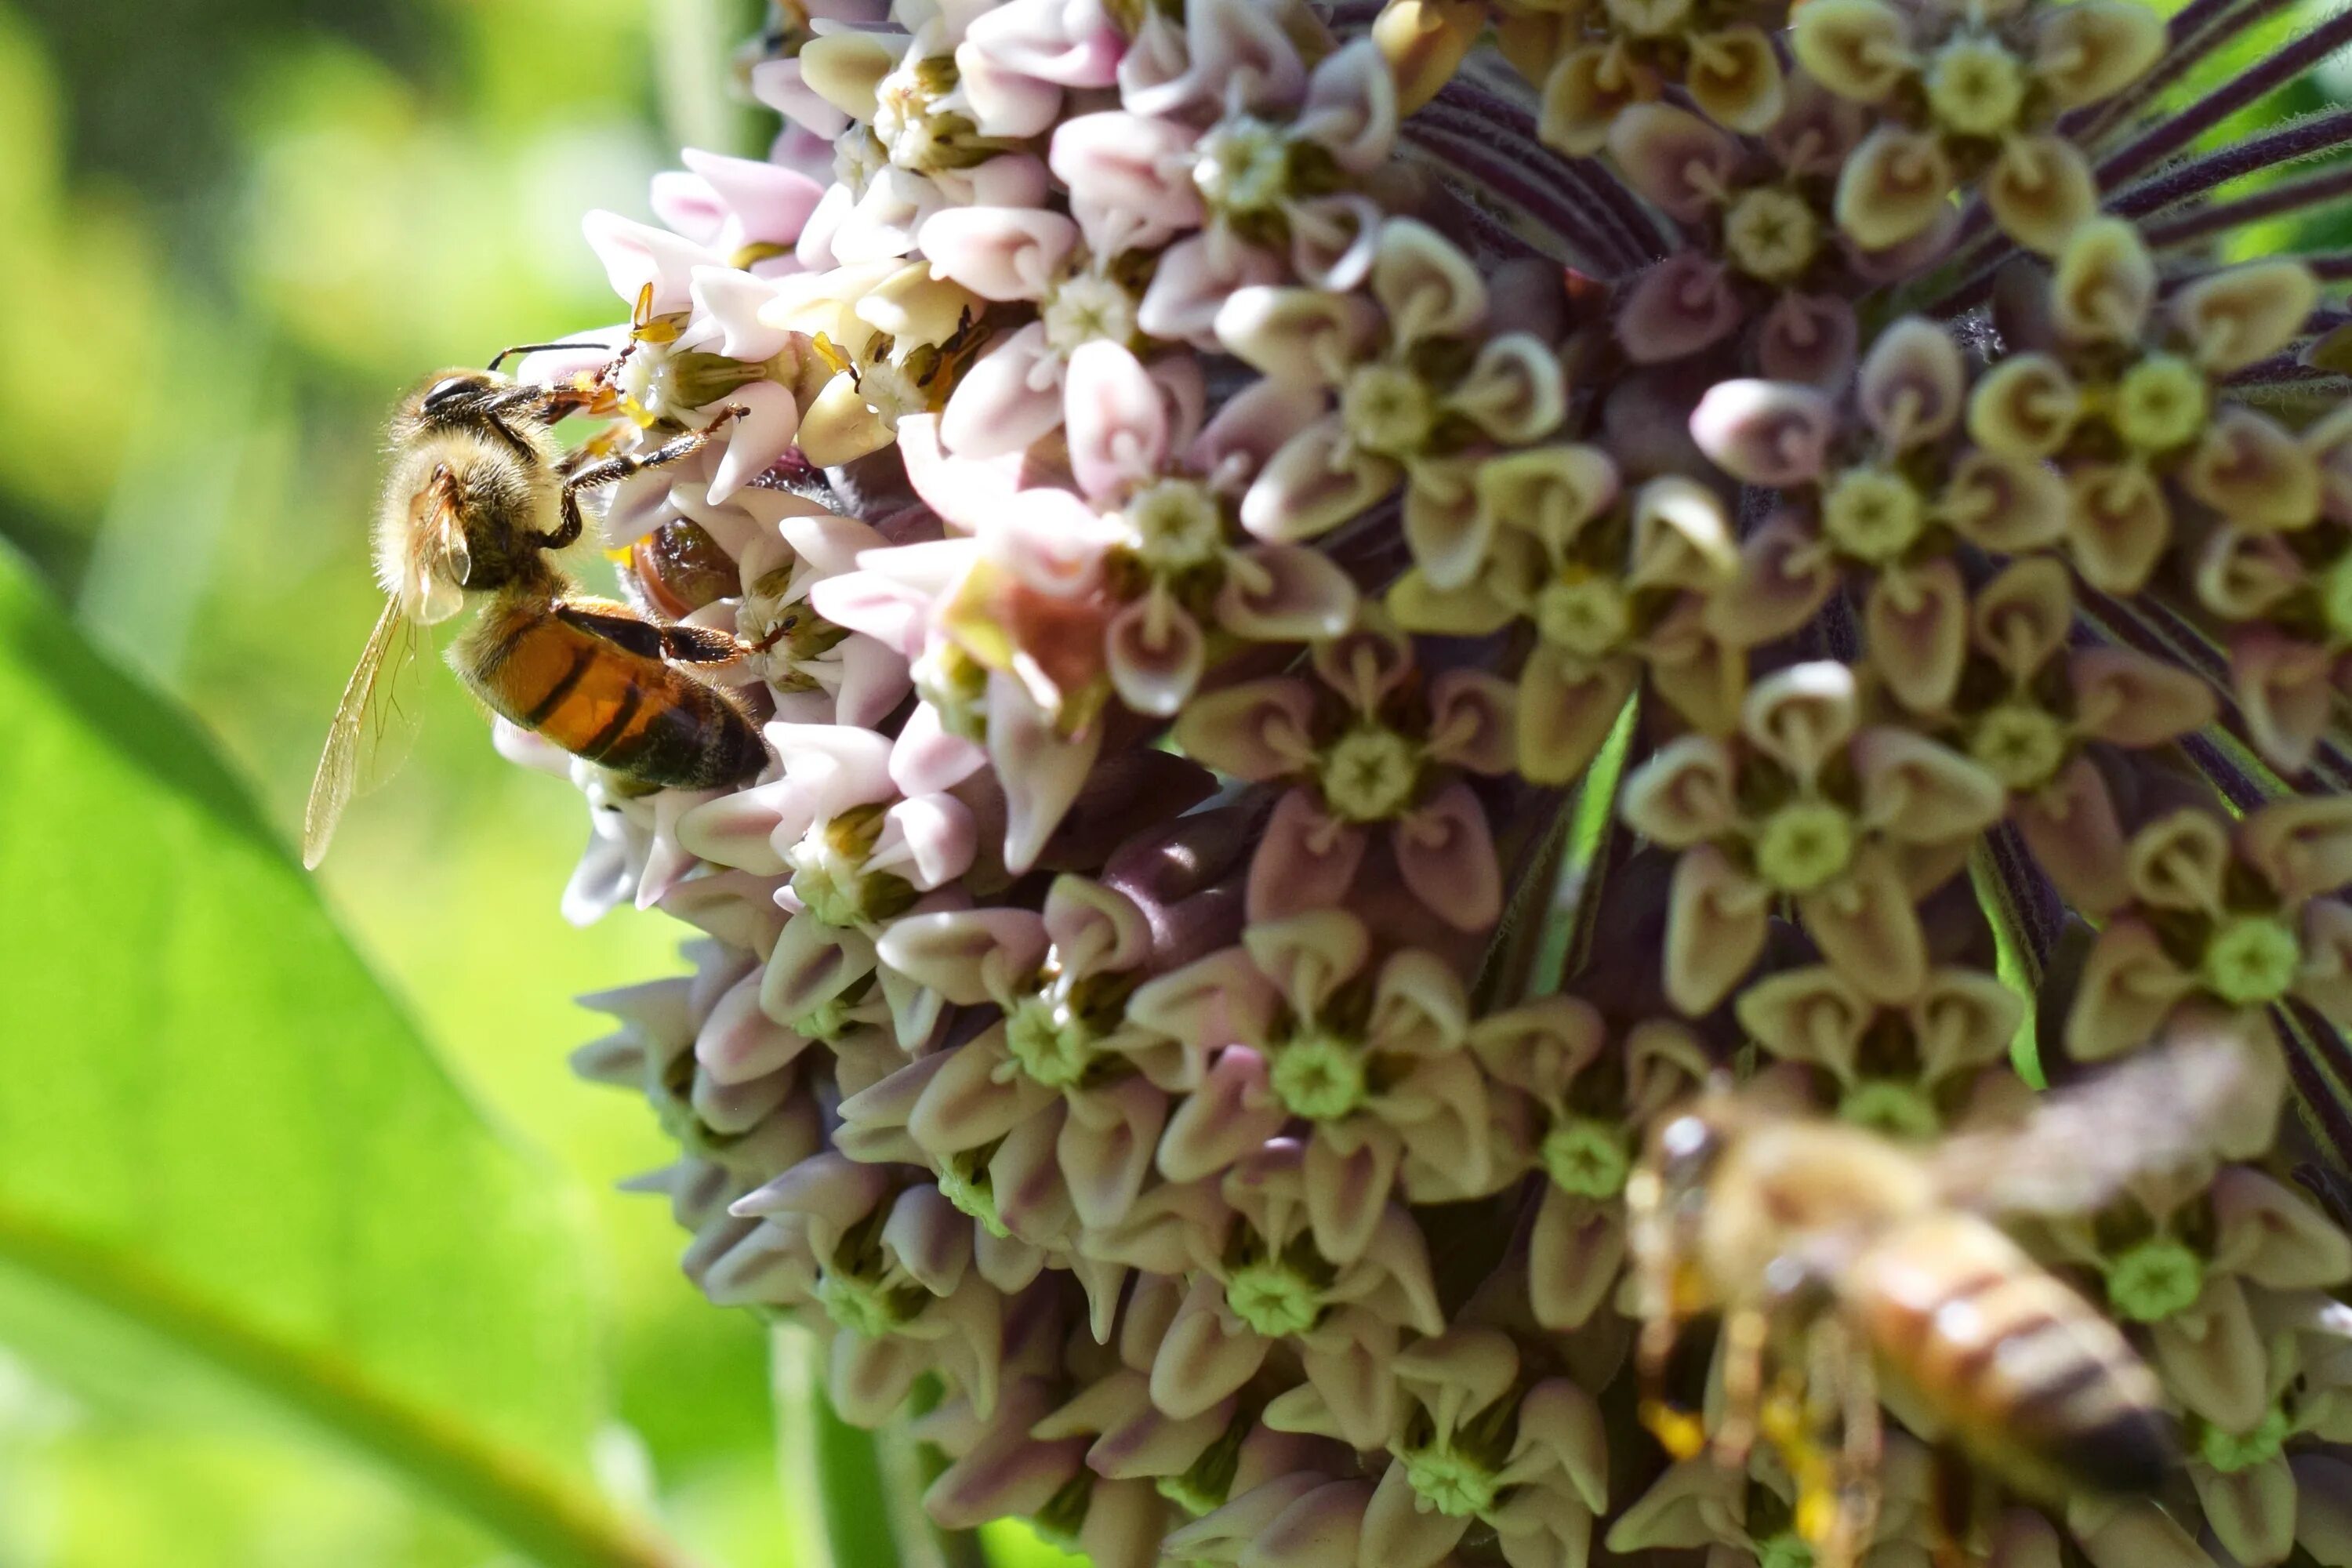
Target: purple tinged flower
(1147, 530)
(1912, 1069)
(1948, 87)
(2245, 915)
(1271, 174)
(1395, 417)
(2128, 400)
(1369, 1059)
(1591, 1097)
(1371, 743)
(1615, 587)
(1269, 1283)
(1481, 1444)
(1850, 823)
(1065, 1043)
(1745, 1518)
(2198, 1264)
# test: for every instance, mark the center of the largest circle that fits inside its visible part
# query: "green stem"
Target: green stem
(858, 1530)
(506, 1492)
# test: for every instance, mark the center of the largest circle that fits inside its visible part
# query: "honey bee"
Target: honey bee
(1848, 1262)
(478, 497)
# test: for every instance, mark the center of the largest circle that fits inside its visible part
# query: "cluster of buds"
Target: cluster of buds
(1352, 600)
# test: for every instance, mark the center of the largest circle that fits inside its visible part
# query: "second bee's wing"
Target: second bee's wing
(374, 725)
(2163, 1108)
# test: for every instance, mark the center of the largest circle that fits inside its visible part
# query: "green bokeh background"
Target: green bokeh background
(230, 230)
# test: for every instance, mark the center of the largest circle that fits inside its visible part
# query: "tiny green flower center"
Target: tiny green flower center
(1175, 525)
(1273, 1300)
(830, 890)
(863, 1306)
(1771, 234)
(1369, 774)
(1207, 1483)
(1388, 409)
(2230, 1452)
(1586, 1157)
(2335, 589)
(2020, 745)
(1873, 515)
(1054, 1045)
(1085, 308)
(956, 685)
(1456, 1485)
(2251, 960)
(1784, 1550)
(1887, 1105)
(670, 383)
(1586, 615)
(2160, 403)
(1319, 1076)
(1974, 87)
(824, 1022)
(973, 1195)
(1244, 166)
(1804, 845)
(2155, 1279)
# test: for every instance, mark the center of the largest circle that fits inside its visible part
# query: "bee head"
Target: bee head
(1666, 1197)
(453, 396)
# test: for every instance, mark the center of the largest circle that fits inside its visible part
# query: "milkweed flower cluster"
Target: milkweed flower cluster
(1349, 600)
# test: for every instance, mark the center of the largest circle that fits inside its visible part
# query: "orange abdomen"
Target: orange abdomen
(622, 710)
(2026, 1374)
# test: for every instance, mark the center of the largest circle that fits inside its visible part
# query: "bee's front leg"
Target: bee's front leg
(613, 469)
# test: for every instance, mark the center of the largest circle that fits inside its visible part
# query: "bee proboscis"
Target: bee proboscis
(478, 499)
(1844, 1263)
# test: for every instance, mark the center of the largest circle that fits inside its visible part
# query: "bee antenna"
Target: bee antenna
(506, 354)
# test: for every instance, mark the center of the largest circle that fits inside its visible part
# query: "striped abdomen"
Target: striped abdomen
(2026, 1374)
(597, 699)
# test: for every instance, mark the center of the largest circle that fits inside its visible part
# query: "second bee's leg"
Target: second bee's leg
(1953, 1494)
(1745, 1331)
(1839, 1365)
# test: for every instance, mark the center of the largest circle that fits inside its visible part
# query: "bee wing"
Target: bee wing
(2157, 1111)
(374, 725)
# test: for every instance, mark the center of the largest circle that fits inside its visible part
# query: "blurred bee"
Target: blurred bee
(1848, 1260)
(478, 497)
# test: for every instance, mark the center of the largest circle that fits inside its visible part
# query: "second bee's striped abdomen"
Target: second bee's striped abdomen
(597, 699)
(2026, 1374)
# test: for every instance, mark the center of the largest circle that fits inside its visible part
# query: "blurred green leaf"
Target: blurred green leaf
(219, 1138)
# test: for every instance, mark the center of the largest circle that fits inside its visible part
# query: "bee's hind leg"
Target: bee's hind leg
(710, 651)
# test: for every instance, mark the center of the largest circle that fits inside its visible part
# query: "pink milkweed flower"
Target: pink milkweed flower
(1146, 527)
(1371, 743)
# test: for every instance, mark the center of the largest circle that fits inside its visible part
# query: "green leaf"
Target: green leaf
(219, 1137)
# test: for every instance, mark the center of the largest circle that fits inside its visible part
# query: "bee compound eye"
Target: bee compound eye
(448, 392)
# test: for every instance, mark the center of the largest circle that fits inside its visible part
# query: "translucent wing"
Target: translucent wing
(374, 725)
(2157, 1111)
